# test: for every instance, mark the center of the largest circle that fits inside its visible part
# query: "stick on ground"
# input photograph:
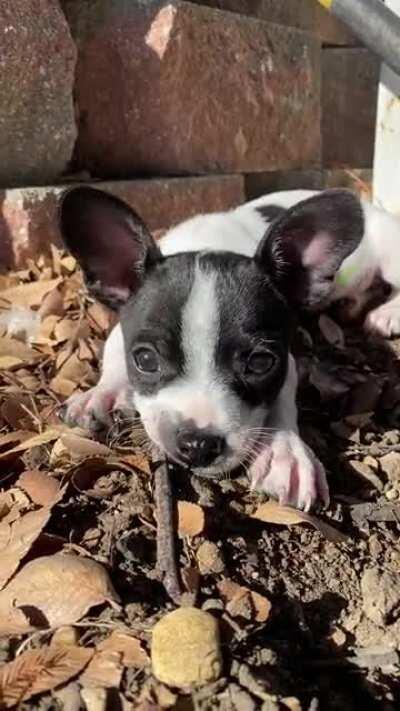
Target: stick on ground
(166, 530)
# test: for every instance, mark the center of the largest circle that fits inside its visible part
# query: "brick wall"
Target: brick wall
(253, 95)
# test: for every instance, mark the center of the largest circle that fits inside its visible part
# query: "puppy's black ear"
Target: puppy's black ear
(110, 242)
(303, 249)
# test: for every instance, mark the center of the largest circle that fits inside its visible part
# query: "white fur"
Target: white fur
(285, 467)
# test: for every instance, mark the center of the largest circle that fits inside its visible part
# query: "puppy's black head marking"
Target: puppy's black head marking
(270, 212)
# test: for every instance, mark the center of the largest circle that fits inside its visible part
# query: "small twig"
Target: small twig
(166, 531)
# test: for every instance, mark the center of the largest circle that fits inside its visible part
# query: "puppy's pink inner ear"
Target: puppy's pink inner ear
(317, 251)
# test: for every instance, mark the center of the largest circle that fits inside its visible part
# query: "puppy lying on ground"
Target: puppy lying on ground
(202, 350)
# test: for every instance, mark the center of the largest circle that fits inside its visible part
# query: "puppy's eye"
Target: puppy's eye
(146, 360)
(260, 362)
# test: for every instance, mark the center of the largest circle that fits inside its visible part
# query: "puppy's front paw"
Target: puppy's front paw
(384, 320)
(288, 470)
(93, 409)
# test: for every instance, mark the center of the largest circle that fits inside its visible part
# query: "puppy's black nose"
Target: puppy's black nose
(199, 449)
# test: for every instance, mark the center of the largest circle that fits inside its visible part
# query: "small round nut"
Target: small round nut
(185, 648)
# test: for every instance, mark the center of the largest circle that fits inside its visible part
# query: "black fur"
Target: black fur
(270, 212)
(250, 309)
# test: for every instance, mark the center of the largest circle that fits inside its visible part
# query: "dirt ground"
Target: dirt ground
(330, 637)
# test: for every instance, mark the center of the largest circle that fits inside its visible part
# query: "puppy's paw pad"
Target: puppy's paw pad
(384, 320)
(293, 473)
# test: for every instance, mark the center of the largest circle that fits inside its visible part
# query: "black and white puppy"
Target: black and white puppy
(202, 350)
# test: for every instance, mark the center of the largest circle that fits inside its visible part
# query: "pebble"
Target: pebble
(185, 648)
(209, 558)
(392, 494)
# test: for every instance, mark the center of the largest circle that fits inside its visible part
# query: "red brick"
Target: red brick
(304, 14)
(37, 61)
(356, 179)
(172, 88)
(349, 98)
(28, 216)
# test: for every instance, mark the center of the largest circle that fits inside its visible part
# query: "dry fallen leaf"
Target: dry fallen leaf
(100, 316)
(16, 539)
(103, 671)
(11, 437)
(190, 519)
(52, 304)
(40, 670)
(15, 411)
(272, 512)
(240, 599)
(80, 447)
(137, 461)
(11, 348)
(42, 488)
(9, 362)
(45, 437)
(130, 648)
(330, 330)
(94, 698)
(60, 588)
(89, 476)
(28, 295)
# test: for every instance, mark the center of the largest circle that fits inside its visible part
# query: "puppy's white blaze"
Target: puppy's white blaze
(200, 327)
(202, 396)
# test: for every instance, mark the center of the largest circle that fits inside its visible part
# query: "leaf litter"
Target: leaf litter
(77, 619)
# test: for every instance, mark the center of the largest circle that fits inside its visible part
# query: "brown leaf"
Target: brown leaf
(330, 330)
(190, 519)
(84, 351)
(16, 539)
(46, 330)
(45, 437)
(272, 512)
(240, 600)
(60, 588)
(12, 503)
(42, 488)
(100, 317)
(74, 369)
(14, 410)
(62, 386)
(52, 304)
(137, 461)
(86, 475)
(94, 698)
(9, 362)
(11, 437)
(11, 348)
(28, 295)
(39, 670)
(65, 636)
(80, 447)
(130, 648)
(103, 671)
(66, 330)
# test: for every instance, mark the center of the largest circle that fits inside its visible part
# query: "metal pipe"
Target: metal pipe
(374, 23)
